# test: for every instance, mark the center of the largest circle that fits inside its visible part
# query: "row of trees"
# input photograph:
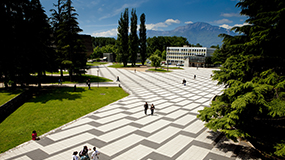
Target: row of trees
(252, 106)
(154, 45)
(128, 45)
(31, 44)
(25, 41)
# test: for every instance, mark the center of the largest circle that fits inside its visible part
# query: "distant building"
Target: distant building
(188, 56)
(109, 57)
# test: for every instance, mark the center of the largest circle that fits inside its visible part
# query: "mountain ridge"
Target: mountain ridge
(199, 32)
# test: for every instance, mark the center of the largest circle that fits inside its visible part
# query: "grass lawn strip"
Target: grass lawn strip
(53, 109)
(6, 96)
(158, 70)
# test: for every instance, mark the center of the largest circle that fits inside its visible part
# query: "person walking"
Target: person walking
(184, 82)
(145, 108)
(95, 154)
(152, 109)
(89, 84)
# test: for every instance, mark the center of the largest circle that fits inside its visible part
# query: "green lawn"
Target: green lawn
(51, 109)
(95, 63)
(121, 65)
(158, 70)
(83, 78)
(5, 96)
(57, 73)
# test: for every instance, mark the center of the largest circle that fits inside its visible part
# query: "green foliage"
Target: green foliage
(8, 95)
(98, 51)
(160, 43)
(158, 70)
(103, 41)
(155, 59)
(133, 40)
(252, 106)
(142, 40)
(123, 38)
(52, 109)
(68, 43)
(26, 41)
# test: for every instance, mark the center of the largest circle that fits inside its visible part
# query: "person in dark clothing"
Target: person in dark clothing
(145, 108)
(184, 82)
(152, 109)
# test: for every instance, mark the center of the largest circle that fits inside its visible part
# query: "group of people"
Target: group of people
(146, 108)
(83, 154)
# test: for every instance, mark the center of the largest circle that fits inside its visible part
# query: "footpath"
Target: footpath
(122, 131)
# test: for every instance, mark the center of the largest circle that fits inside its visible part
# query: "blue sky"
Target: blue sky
(99, 18)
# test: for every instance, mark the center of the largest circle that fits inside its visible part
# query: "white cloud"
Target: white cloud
(170, 21)
(159, 25)
(240, 25)
(236, 25)
(225, 26)
(189, 22)
(230, 15)
(221, 21)
(109, 33)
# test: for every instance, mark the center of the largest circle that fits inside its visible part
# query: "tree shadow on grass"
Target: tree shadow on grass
(57, 93)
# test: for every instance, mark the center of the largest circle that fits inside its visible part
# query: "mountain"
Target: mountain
(199, 32)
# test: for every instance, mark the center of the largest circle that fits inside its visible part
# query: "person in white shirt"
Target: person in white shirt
(95, 154)
(74, 156)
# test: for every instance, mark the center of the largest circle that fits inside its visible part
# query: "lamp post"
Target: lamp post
(98, 77)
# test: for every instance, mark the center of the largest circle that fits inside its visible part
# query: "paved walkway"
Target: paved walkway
(121, 130)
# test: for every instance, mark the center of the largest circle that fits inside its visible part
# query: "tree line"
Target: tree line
(33, 43)
(252, 106)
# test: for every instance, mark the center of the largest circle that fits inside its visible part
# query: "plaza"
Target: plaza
(121, 130)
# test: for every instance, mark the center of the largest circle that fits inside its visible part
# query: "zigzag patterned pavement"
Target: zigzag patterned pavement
(121, 130)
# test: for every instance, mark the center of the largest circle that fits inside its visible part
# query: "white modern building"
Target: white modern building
(188, 56)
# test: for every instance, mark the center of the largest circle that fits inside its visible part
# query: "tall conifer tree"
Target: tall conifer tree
(123, 42)
(142, 40)
(133, 38)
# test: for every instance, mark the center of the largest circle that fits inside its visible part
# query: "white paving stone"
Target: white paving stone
(121, 144)
(111, 118)
(174, 146)
(155, 126)
(194, 153)
(195, 127)
(176, 114)
(70, 132)
(185, 119)
(137, 152)
(164, 134)
(113, 125)
(117, 133)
